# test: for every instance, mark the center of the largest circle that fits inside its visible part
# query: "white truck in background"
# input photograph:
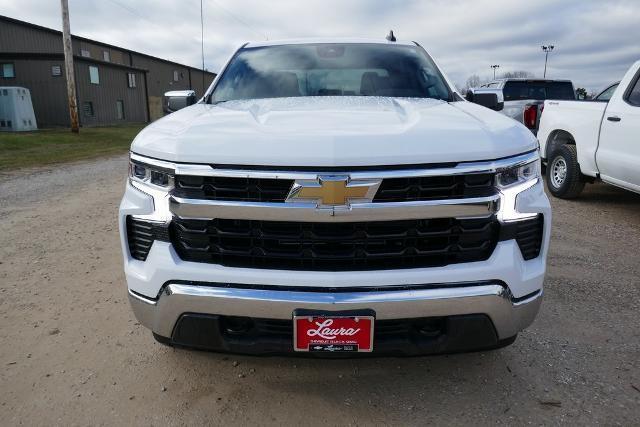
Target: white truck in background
(523, 98)
(582, 141)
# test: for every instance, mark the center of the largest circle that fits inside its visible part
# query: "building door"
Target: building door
(120, 109)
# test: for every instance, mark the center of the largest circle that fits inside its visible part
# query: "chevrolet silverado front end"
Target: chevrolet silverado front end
(332, 196)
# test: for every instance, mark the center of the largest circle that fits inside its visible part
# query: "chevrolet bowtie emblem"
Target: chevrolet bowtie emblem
(333, 191)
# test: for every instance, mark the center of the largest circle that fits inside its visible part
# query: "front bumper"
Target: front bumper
(211, 302)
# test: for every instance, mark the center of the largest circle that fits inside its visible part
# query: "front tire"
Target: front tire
(564, 178)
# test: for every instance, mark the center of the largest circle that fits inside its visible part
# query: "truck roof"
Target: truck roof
(328, 40)
(529, 79)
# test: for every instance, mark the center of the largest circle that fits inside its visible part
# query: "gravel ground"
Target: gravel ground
(72, 353)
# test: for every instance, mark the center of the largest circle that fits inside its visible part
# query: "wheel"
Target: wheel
(564, 178)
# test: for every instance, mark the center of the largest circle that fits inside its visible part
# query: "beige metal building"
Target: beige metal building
(113, 84)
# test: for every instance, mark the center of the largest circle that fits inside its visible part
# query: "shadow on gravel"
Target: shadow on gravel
(602, 196)
(608, 195)
(405, 380)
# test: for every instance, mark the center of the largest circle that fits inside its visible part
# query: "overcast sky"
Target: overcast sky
(595, 41)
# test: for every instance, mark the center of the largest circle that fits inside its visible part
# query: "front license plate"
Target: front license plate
(332, 333)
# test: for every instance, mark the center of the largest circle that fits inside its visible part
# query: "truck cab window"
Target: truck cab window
(606, 94)
(634, 95)
(330, 70)
(538, 89)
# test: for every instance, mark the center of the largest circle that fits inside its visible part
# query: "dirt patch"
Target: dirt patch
(72, 352)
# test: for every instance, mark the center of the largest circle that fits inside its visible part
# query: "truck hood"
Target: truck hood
(333, 131)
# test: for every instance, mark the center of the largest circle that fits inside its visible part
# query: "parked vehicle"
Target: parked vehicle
(335, 196)
(524, 98)
(586, 140)
(16, 110)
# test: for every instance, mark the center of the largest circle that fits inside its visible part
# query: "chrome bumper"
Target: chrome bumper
(508, 315)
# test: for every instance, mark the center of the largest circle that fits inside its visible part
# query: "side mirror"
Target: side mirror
(490, 98)
(178, 99)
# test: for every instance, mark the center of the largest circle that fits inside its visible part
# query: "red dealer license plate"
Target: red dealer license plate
(332, 333)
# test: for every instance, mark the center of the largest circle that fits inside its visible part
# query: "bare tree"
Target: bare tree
(473, 81)
(518, 74)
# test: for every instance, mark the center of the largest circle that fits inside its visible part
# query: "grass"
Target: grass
(51, 146)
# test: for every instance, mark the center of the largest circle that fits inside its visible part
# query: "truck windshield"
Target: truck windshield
(515, 90)
(357, 69)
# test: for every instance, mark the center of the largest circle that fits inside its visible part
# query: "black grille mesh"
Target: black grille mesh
(391, 189)
(335, 246)
(141, 234)
(435, 187)
(529, 237)
(239, 189)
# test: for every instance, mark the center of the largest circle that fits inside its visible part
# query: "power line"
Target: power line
(134, 12)
(127, 8)
(231, 14)
(144, 18)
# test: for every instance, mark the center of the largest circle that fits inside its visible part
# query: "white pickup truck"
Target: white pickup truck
(333, 196)
(586, 140)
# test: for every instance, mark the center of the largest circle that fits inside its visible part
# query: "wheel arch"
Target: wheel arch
(558, 138)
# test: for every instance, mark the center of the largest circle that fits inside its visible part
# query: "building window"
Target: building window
(87, 107)
(176, 76)
(56, 70)
(131, 79)
(8, 71)
(85, 53)
(120, 109)
(106, 56)
(94, 76)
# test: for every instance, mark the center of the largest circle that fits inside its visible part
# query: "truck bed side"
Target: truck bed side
(574, 122)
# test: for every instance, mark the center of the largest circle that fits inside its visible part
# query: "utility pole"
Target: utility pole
(494, 70)
(204, 89)
(68, 65)
(546, 49)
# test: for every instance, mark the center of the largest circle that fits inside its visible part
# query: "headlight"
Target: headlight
(518, 174)
(513, 181)
(150, 175)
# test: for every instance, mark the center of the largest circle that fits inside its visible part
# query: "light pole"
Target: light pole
(494, 70)
(546, 49)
